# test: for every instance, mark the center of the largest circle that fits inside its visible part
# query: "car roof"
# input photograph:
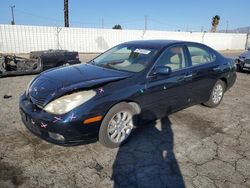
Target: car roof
(154, 43)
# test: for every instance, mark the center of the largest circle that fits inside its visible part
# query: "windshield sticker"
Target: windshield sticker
(142, 51)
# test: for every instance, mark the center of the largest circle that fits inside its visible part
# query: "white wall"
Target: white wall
(23, 39)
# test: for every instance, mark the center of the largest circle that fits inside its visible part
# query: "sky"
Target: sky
(183, 15)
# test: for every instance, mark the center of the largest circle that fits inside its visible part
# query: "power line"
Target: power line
(56, 21)
(102, 23)
(37, 16)
(163, 23)
(227, 27)
(121, 22)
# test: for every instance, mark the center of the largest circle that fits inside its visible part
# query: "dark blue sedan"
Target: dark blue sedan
(138, 80)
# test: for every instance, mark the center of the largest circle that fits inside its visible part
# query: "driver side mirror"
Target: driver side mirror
(162, 70)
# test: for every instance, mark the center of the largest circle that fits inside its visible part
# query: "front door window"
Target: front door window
(172, 57)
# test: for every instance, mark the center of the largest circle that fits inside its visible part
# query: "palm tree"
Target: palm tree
(66, 13)
(215, 23)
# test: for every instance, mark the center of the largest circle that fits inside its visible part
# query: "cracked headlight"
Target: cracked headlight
(66, 103)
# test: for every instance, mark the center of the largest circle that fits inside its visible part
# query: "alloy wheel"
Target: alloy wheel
(217, 94)
(120, 126)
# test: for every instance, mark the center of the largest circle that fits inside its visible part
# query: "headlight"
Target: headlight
(66, 103)
(242, 58)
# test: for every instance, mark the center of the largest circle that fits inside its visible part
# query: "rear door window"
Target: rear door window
(200, 55)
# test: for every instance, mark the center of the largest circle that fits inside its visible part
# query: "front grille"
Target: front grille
(37, 101)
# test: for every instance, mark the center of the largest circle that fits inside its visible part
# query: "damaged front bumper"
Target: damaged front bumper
(64, 130)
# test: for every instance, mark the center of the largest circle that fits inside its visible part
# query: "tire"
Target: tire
(110, 125)
(239, 68)
(215, 99)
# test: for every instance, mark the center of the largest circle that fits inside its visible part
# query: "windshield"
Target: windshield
(125, 58)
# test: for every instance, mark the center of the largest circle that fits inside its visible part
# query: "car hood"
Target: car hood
(245, 55)
(57, 82)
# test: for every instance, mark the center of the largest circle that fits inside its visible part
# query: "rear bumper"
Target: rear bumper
(61, 130)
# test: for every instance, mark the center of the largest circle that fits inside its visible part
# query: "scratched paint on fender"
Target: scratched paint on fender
(72, 117)
(43, 125)
(56, 119)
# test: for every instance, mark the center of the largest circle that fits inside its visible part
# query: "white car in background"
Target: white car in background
(243, 61)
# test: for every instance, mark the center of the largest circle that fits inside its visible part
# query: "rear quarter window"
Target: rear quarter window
(200, 55)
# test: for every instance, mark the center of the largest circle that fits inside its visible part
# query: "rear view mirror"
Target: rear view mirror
(162, 70)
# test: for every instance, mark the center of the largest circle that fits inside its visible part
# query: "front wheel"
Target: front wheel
(216, 95)
(117, 125)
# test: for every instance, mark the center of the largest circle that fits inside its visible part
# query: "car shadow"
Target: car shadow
(148, 159)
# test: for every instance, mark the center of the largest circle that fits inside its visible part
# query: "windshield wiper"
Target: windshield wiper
(107, 66)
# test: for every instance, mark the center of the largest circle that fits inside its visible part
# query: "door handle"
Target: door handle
(188, 76)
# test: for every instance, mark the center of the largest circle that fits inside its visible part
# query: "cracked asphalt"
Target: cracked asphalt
(196, 147)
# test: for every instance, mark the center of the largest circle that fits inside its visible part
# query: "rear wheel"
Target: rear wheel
(117, 126)
(216, 95)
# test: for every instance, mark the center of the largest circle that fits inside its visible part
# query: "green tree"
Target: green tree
(215, 23)
(118, 26)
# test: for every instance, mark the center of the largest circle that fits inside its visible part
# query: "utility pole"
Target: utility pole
(102, 23)
(12, 11)
(247, 47)
(227, 27)
(66, 13)
(146, 23)
(202, 29)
